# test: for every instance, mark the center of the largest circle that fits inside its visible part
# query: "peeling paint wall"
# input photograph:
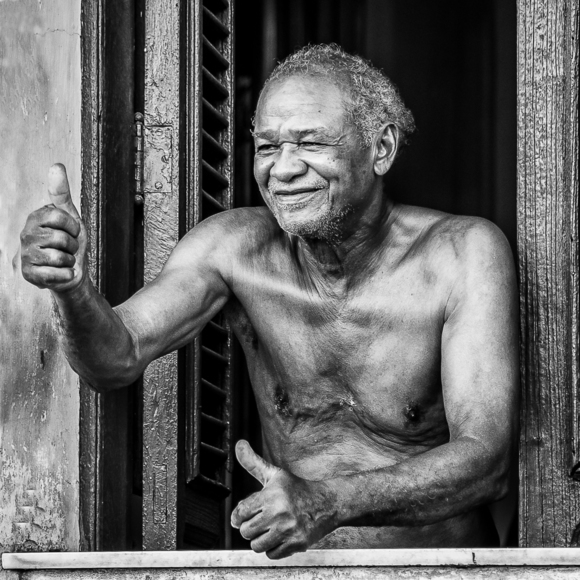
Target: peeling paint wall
(40, 86)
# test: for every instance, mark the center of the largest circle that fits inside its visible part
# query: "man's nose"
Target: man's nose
(287, 164)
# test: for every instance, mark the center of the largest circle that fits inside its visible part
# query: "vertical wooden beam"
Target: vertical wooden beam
(92, 29)
(106, 202)
(161, 231)
(548, 32)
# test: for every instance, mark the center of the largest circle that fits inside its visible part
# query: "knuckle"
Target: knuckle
(26, 267)
(30, 255)
(27, 239)
(27, 274)
(287, 526)
(24, 256)
(36, 216)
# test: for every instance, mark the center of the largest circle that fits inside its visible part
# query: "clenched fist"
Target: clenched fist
(288, 515)
(54, 239)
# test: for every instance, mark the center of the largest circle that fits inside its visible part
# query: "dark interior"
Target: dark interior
(455, 65)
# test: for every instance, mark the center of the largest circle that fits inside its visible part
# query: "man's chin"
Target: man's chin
(328, 227)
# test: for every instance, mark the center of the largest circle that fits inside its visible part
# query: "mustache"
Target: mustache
(275, 186)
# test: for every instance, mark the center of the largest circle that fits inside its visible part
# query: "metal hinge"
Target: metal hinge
(138, 162)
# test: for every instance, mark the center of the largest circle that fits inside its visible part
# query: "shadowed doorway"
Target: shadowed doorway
(455, 66)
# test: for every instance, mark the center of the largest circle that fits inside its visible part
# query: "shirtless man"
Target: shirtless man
(381, 339)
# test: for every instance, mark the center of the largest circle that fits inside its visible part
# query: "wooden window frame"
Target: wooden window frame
(548, 148)
(107, 90)
(548, 259)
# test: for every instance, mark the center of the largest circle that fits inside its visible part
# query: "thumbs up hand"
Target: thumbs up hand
(288, 515)
(54, 239)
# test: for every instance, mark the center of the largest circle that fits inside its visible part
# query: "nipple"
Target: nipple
(412, 412)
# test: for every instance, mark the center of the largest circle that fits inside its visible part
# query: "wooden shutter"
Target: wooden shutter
(187, 176)
(208, 396)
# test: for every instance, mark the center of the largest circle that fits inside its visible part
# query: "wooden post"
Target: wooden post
(107, 36)
(548, 262)
(161, 231)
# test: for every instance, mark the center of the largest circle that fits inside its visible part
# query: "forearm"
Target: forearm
(442, 483)
(97, 344)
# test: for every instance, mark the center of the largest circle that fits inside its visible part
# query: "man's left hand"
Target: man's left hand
(288, 515)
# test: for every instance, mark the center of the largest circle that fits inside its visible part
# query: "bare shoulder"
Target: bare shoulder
(457, 243)
(474, 241)
(219, 243)
(467, 259)
(232, 232)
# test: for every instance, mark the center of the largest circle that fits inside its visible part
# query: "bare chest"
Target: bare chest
(364, 364)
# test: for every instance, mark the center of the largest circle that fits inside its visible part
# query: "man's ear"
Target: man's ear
(387, 144)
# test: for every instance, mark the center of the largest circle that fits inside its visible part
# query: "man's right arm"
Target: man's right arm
(110, 347)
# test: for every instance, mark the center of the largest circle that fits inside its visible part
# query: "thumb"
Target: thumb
(253, 463)
(59, 190)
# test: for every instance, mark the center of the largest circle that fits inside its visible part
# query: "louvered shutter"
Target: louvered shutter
(187, 176)
(208, 395)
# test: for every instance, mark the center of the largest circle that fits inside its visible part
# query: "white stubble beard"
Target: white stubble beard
(326, 226)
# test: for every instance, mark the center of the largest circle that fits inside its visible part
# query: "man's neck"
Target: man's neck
(353, 253)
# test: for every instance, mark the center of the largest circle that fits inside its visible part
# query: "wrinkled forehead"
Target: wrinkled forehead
(307, 99)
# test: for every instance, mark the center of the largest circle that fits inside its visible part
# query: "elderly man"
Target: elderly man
(381, 339)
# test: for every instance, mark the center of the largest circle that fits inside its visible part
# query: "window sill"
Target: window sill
(434, 558)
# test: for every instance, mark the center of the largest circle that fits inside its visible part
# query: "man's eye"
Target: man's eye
(311, 144)
(267, 148)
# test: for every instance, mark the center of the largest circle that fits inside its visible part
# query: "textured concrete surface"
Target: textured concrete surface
(39, 125)
(359, 573)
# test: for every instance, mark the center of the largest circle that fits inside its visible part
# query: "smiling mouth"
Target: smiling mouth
(296, 196)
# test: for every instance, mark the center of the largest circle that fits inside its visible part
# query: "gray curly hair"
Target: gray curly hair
(374, 99)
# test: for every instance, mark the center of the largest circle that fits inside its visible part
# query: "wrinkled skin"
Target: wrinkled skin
(381, 339)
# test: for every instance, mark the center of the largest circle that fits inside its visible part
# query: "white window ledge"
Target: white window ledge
(464, 558)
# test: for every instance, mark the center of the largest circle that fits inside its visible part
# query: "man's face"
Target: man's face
(310, 167)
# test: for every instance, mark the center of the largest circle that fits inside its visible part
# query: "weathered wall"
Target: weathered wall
(39, 404)
(326, 573)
